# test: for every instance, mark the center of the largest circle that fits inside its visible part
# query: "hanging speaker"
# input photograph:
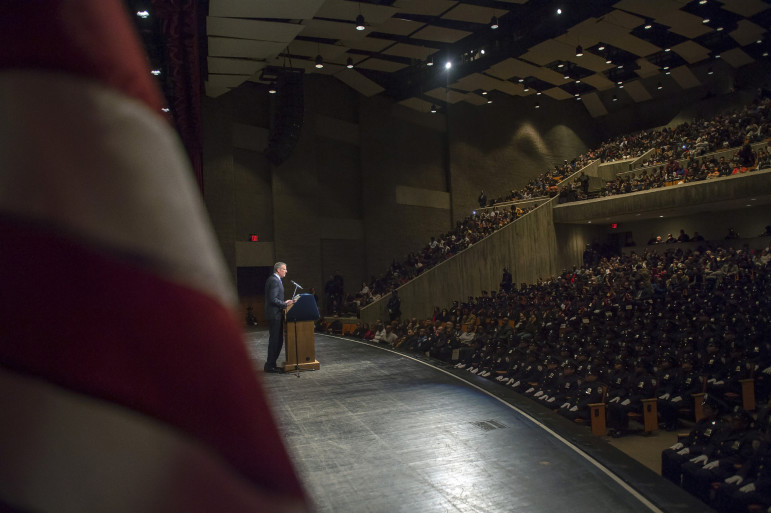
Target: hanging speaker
(287, 116)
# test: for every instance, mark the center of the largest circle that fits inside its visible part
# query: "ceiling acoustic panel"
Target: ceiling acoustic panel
(272, 9)
(245, 48)
(411, 51)
(475, 99)
(684, 77)
(424, 7)
(686, 24)
(747, 32)
(417, 104)
(228, 66)
(745, 8)
(446, 95)
(599, 82)
(691, 52)
(736, 57)
(346, 10)
(441, 34)
(252, 29)
(359, 82)
(381, 65)
(399, 27)
(328, 29)
(637, 91)
(651, 8)
(473, 13)
(594, 105)
(558, 93)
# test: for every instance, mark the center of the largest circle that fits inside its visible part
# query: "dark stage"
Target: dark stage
(376, 430)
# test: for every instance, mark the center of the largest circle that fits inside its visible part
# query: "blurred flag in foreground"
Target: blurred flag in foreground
(125, 385)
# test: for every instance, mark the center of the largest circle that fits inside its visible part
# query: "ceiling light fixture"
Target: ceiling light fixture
(448, 65)
(349, 63)
(710, 71)
(705, 20)
(272, 89)
(319, 62)
(494, 23)
(143, 14)
(430, 61)
(615, 98)
(484, 93)
(360, 22)
(659, 86)
(579, 51)
(433, 109)
(601, 47)
(526, 88)
(537, 105)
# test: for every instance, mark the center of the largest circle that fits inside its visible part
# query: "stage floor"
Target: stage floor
(381, 431)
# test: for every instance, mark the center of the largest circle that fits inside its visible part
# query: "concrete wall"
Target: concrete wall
(527, 247)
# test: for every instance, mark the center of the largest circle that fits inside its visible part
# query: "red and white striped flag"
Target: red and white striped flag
(125, 384)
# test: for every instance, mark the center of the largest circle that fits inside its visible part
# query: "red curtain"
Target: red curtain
(179, 24)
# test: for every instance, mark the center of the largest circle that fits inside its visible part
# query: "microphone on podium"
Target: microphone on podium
(296, 284)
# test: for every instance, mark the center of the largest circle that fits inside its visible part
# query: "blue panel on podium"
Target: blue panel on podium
(304, 310)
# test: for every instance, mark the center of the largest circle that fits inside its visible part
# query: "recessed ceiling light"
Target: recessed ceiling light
(559, 11)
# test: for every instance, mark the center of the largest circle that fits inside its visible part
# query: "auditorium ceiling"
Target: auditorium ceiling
(639, 45)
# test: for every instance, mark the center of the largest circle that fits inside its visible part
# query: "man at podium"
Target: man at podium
(274, 314)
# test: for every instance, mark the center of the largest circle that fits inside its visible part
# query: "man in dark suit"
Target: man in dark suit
(274, 314)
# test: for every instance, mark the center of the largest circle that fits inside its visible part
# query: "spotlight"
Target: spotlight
(537, 105)
(143, 14)
(484, 93)
(272, 88)
(667, 49)
(494, 23)
(526, 88)
(601, 47)
(538, 93)
(561, 64)
(447, 65)
(720, 29)
(705, 20)
(566, 76)
(615, 98)
(702, 2)
(155, 72)
(489, 100)
(579, 51)
(433, 109)
(319, 62)
(709, 71)
(360, 22)
(559, 11)
(349, 63)
(578, 81)
(648, 26)
(430, 61)
(659, 86)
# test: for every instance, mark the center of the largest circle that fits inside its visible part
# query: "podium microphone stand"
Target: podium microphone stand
(300, 346)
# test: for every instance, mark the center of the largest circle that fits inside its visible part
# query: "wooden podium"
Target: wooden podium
(300, 340)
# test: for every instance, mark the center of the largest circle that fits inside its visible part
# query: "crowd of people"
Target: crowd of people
(653, 325)
(677, 154)
(467, 232)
